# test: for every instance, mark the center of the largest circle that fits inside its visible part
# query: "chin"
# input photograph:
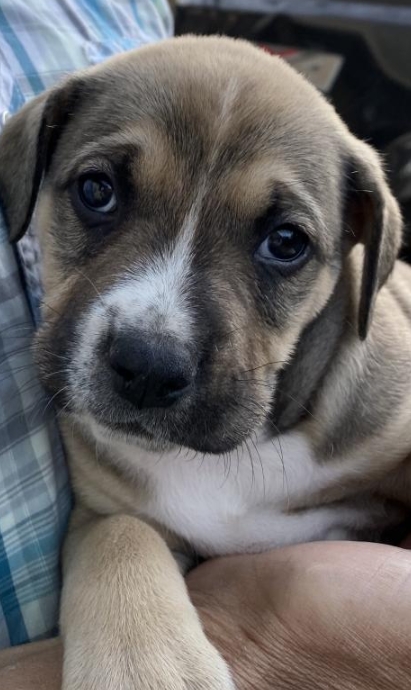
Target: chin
(109, 435)
(216, 430)
(134, 435)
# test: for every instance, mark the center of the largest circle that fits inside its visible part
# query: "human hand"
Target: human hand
(331, 615)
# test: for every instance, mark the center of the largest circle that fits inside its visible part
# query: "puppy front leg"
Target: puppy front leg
(127, 621)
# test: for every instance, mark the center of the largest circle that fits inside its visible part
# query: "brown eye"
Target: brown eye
(96, 192)
(285, 244)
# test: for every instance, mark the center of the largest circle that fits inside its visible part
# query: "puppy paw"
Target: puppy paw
(189, 667)
(203, 670)
(161, 666)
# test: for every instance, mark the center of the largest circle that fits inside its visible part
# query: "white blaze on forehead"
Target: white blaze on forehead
(155, 296)
(228, 102)
(156, 299)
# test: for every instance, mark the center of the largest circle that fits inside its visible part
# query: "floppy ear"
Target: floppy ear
(26, 146)
(375, 220)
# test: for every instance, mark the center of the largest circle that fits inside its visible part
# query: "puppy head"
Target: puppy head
(193, 213)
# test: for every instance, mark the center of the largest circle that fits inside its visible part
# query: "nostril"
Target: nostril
(119, 366)
(173, 386)
(125, 374)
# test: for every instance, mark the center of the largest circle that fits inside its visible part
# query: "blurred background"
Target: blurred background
(357, 53)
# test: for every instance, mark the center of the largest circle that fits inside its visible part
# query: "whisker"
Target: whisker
(54, 373)
(261, 464)
(275, 389)
(92, 284)
(261, 382)
(224, 458)
(303, 407)
(280, 454)
(267, 364)
(228, 333)
(63, 409)
(54, 354)
(50, 401)
(48, 306)
(251, 463)
(278, 450)
(238, 461)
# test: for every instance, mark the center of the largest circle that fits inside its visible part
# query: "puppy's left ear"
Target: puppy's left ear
(374, 219)
(26, 146)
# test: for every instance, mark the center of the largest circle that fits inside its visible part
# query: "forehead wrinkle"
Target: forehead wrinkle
(250, 189)
(159, 171)
(100, 150)
(142, 139)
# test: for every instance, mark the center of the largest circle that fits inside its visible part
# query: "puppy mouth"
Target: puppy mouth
(122, 420)
(131, 433)
(161, 434)
(205, 426)
(127, 428)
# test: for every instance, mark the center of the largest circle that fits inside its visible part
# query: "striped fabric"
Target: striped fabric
(40, 41)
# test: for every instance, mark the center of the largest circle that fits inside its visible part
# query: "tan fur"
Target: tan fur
(243, 125)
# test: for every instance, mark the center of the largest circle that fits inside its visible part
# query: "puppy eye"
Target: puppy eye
(286, 244)
(96, 192)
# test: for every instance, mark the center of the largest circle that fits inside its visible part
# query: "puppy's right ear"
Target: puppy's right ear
(26, 146)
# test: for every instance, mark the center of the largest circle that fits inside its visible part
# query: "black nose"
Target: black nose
(151, 374)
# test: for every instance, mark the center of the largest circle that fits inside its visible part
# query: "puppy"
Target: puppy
(225, 329)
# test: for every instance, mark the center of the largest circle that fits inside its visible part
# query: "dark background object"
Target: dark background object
(372, 91)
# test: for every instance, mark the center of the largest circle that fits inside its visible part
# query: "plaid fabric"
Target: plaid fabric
(41, 40)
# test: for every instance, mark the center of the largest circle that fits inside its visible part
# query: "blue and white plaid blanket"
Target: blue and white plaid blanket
(41, 41)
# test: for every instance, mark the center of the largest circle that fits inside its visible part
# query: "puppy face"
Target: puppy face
(192, 224)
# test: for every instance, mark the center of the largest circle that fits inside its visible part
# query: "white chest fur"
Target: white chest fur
(239, 502)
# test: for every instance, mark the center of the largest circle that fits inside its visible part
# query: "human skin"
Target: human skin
(325, 615)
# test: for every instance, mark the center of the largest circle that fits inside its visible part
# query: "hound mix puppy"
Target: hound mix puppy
(225, 329)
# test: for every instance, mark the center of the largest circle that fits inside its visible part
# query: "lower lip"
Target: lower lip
(131, 429)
